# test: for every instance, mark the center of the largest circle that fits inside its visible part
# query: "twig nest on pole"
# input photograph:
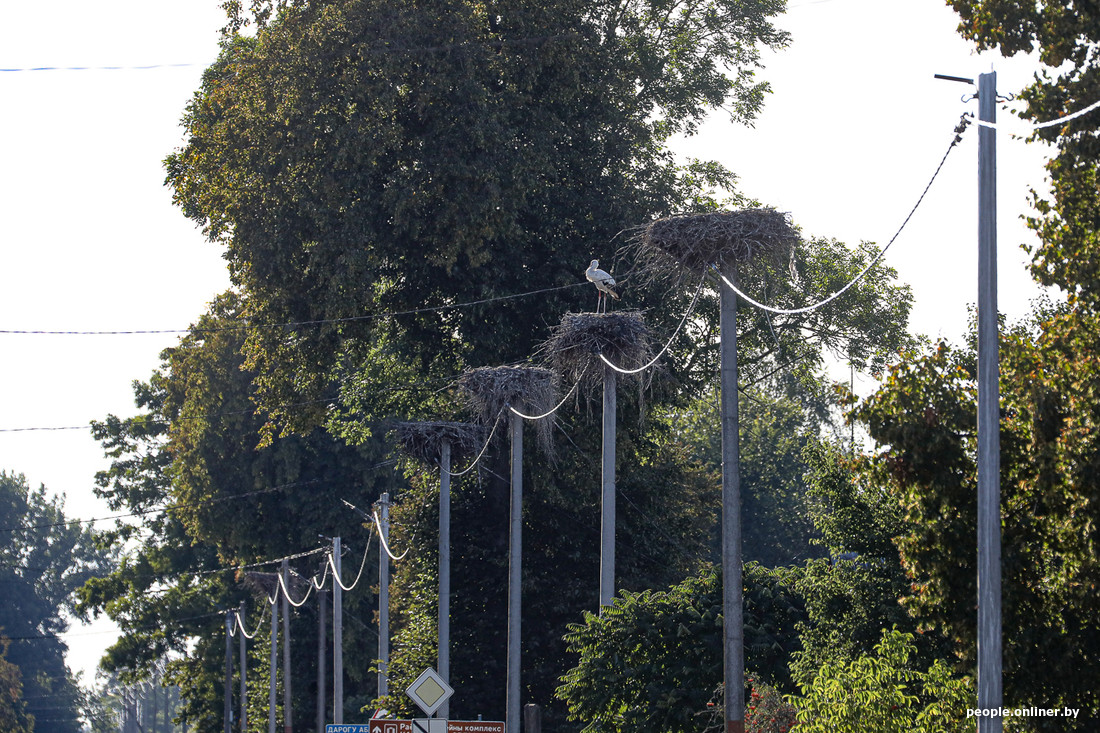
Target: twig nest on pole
(720, 238)
(530, 390)
(575, 345)
(268, 583)
(424, 440)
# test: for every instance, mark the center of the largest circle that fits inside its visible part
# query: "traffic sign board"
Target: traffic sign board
(429, 691)
(411, 726)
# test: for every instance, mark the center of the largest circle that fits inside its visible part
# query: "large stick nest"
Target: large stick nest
(424, 440)
(268, 583)
(575, 345)
(694, 242)
(530, 390)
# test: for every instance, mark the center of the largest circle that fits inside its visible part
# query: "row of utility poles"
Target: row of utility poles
(281, 599)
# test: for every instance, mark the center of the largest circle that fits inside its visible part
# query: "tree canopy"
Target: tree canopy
(44, 558)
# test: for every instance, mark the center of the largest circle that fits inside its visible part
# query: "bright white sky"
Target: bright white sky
(91, 240)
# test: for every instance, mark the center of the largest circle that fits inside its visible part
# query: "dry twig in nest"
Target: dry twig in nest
(575, 345)
(424, 440)
(531, 390)
(694, 242)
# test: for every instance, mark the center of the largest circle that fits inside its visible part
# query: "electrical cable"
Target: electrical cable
(286, 591)
(336, 576)
(1032, 126)
(484, 448)
(675, 333)
(874, 261)
(163, 509)
(552, 410)
(291, 324)
(146, 67)
(241, 626)
(386, 545)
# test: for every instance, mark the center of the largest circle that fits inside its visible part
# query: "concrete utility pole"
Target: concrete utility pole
(271, 694)
(733, 627)
(607, 491)
(243, 673)
(337, 635)
(989, 419)
(444, 628)
(288, 712)
(227, 707)
(515, 559)
(321, 639)
(384, 596)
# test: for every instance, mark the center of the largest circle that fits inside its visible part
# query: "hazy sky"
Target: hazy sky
(91, 240)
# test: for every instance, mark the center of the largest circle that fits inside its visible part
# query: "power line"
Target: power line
(291, 324)
(691, 308)
(162, 509)
(145, 67)
(959, 129)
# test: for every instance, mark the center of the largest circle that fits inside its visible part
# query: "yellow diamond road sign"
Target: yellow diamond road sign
(429, 691)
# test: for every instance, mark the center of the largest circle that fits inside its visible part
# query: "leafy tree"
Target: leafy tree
(44, 558)
(364, 156)
(883, 692)
(209, 498)
(651, 661)
(13, 708)
(924, 417)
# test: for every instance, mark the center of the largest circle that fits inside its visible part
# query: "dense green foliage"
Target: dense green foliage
(13, 708)
(211, 499)
(885, 692)
(653, 660)
(44, 558)
(366, 156)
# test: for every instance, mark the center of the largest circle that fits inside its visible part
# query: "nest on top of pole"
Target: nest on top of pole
(688, 244)
(424, 440)
(528, 389)
(268, 583)
(575, 345)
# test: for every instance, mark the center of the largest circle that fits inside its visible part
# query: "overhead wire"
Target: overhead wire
(336, 576)
(959, 129)
(675, 333)
(480, 455)
(145, 512)
(289, 324)
(386, 545)
(1021, 125)
(552, 410)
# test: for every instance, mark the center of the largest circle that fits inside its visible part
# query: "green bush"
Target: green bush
(882, 693)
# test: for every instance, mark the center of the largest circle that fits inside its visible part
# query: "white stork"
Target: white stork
(604, 283)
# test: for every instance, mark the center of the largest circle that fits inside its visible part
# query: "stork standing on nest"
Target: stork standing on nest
(605, 284)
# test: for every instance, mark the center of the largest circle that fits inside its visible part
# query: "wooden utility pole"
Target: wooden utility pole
(443, 663)
(321, 644)
(607, 491)
(243, 672)
(989, 420)
(733, 622)
(227, 706)
(337, 635)
(515, 559)
(384, 596)
(288, 711)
